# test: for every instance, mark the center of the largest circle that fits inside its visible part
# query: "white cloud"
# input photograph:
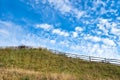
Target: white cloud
(97, 50)
(6, 23)
(78, 13)
(37, 1)
(4, 32)
(118, 18)
(53, 41)
(101, 27)
(64, 43)
(61, 5)
(108, 27)
(75, 34)
(11, 33)
(104, 25)
(59, 32)
(64, 6)
(96, 39)
(78, 29)
(11, 28)
(92, 38)
(115, 31)
(108, 42)
(44, 26)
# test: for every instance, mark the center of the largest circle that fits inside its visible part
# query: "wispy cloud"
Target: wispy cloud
(59, 32)
(109, 42)
(62, 5)
(11, 33)
(44, 26)
(92, 38)
(4, 32)
(65, 7)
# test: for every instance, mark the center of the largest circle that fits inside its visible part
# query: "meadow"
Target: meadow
(42, 64)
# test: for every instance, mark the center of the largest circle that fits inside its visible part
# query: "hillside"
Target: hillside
(42, 64)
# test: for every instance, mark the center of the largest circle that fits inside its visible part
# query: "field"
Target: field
(42, 64)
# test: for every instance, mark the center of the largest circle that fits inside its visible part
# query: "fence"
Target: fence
(94, 59)
(91, 58)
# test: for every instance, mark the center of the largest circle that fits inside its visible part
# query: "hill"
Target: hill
(42, 64)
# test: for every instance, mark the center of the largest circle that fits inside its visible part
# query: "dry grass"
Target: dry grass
(22, 74)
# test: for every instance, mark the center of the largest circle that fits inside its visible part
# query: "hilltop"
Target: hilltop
(43, 64)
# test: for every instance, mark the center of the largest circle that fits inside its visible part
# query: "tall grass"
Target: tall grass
(52, 66)
(22, 74)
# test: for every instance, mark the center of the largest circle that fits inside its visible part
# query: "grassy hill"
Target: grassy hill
(42, 64)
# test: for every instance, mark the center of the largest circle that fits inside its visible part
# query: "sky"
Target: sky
(85, 27)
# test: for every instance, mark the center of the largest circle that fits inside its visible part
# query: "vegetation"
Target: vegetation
(42, 64)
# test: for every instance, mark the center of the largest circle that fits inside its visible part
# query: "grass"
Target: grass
(23, 74)
(42, 64)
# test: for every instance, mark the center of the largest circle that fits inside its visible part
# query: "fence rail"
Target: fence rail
(91, 58)
(94, 59)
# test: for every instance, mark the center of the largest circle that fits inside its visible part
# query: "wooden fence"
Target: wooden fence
(94, 59)
(91, 58)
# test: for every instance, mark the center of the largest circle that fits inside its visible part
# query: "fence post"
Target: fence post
(90, 58)
(105, 60)
(76, 56)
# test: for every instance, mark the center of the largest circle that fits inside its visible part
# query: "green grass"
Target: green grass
(50, 65)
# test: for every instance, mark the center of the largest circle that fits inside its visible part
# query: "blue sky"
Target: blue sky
(89, 27)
